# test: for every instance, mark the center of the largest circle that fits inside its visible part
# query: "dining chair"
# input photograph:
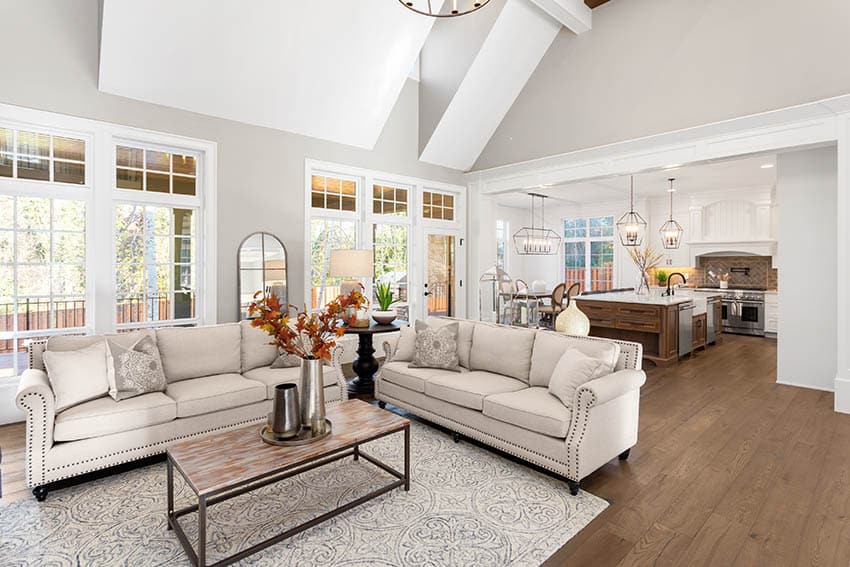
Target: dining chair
(549, 312)
(521, 285)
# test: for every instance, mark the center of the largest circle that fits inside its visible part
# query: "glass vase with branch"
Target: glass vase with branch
(645, 259)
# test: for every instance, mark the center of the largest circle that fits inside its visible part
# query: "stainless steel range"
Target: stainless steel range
(743, 311)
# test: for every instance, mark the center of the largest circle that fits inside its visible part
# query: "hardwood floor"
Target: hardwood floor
(730, 469)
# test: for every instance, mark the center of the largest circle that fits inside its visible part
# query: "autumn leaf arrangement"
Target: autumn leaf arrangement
(308, 335)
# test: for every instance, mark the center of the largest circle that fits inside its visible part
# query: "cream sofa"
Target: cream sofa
(501, 397)
(219, 378)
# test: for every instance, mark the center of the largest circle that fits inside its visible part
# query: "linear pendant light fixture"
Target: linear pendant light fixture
(671, 231)
(537, 241)
(631, 227)
(444, 9)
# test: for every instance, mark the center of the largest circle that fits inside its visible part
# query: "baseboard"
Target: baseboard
(9, 412)
(842, 395)
(807, 386)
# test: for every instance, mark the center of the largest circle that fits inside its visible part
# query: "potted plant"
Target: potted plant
(310, 336)
(661, 277)
(384, 294)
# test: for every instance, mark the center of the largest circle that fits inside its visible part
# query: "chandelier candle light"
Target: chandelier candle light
(671, 231)
(444, 9)
(536, 241)
(631, 227)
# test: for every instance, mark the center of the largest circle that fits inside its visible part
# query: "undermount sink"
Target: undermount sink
(700, 306)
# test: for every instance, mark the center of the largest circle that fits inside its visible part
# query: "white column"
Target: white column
(842, 377)
(481, 253)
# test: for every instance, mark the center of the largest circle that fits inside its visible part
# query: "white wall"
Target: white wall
(806, 194)
(652, 66)
(260, 170)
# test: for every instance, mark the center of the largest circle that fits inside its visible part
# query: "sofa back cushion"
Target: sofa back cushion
(464, 336)
(257, 347)
(126, 340)
(502, 350)
(193, 352)
(549, 346)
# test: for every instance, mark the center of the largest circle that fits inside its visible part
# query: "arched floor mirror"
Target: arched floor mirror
(262, 267)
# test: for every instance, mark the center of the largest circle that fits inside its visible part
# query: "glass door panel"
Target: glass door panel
(440, 275)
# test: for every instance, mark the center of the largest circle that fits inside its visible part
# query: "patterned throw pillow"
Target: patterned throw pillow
(134, 371)
(436, 347)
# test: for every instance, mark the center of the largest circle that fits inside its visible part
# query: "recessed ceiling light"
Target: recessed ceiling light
(767, 166)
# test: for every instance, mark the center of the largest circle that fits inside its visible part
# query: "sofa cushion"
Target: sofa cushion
(400, 374)
(464, 335)
(192, 352)
(256, 348)
(71, 342)
(405, 347)
(197, 396)
(549, 346)
(470, 389)
(534, 409)
(77, 376)
(104, 416)
(271, 377)
(503, 350)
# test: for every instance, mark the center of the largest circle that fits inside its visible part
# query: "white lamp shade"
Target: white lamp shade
(351, 264)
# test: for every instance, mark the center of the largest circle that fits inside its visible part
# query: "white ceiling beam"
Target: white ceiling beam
(572, 14)
(515, 45)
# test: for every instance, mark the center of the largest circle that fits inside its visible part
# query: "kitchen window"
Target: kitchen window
(589, 252)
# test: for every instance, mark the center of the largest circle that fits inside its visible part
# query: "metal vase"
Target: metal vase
(312, 395)
(285, 419)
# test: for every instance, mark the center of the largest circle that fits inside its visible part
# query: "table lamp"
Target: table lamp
(351, 265)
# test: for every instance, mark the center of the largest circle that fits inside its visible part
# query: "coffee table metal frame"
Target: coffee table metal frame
(204, 501)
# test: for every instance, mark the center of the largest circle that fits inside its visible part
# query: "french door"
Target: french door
(441, 282)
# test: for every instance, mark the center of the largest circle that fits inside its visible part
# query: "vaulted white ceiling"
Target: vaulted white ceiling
(330, 69)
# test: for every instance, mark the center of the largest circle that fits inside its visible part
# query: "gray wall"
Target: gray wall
(806, 197)
(260, 171)
(653, 66)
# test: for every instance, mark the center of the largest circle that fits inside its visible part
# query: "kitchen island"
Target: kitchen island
(667, 326)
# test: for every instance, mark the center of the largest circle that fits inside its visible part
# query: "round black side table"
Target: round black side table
(366, 365)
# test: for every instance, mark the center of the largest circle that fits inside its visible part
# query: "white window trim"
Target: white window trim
(365, 217)
(588, 239)
(100, 196)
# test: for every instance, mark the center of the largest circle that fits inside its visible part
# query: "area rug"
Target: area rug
(466, 506)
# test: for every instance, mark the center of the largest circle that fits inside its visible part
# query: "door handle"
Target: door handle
(426, 293)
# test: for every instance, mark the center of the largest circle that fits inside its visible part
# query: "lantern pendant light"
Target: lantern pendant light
(671, 231)
(537, 241)
(631, 227)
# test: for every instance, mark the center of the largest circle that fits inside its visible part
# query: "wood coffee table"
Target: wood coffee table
(224, 465)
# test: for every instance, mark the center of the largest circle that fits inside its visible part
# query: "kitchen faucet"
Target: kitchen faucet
(670, 290)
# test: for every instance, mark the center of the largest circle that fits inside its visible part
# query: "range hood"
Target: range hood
(731, 248)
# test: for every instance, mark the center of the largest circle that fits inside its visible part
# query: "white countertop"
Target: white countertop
(630, 297)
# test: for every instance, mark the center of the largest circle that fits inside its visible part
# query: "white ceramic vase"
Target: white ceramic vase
(572, 321)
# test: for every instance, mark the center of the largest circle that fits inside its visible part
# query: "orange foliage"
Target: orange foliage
(304, 334)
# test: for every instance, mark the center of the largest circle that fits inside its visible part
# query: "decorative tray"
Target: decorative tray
(304, 437)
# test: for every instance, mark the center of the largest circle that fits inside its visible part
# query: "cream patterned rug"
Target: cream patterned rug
(466, 506)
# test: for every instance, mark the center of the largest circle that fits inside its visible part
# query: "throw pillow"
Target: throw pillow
(405, 348)
(436, 347)
(286, 360)
(135, 370)
(575, 368)
(77, 376)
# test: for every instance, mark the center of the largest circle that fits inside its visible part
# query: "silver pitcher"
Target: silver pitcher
(312, 396)
(285, 419)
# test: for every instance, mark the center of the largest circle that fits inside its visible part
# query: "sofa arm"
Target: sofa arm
(336, 362)
(611, 386)
(35, 397)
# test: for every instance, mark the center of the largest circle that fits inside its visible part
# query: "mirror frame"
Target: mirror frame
(239, 268)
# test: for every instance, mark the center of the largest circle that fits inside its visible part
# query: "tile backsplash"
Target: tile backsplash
(744, 271)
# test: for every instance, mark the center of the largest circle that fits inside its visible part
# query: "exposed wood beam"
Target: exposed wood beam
(572, 14)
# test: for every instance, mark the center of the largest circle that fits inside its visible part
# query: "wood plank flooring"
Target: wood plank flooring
(730, 469)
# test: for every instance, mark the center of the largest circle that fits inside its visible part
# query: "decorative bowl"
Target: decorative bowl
(384, 317)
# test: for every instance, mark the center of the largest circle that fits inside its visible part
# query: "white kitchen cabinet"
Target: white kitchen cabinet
(771, 313)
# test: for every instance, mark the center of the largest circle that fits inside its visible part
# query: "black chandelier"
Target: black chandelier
(444, 8)
(671, 231)
(537, 240)
(631, 227)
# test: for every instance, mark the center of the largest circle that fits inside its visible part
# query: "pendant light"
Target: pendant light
(671, 231)
(445, 9)
(631, 227)
(536, 241)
